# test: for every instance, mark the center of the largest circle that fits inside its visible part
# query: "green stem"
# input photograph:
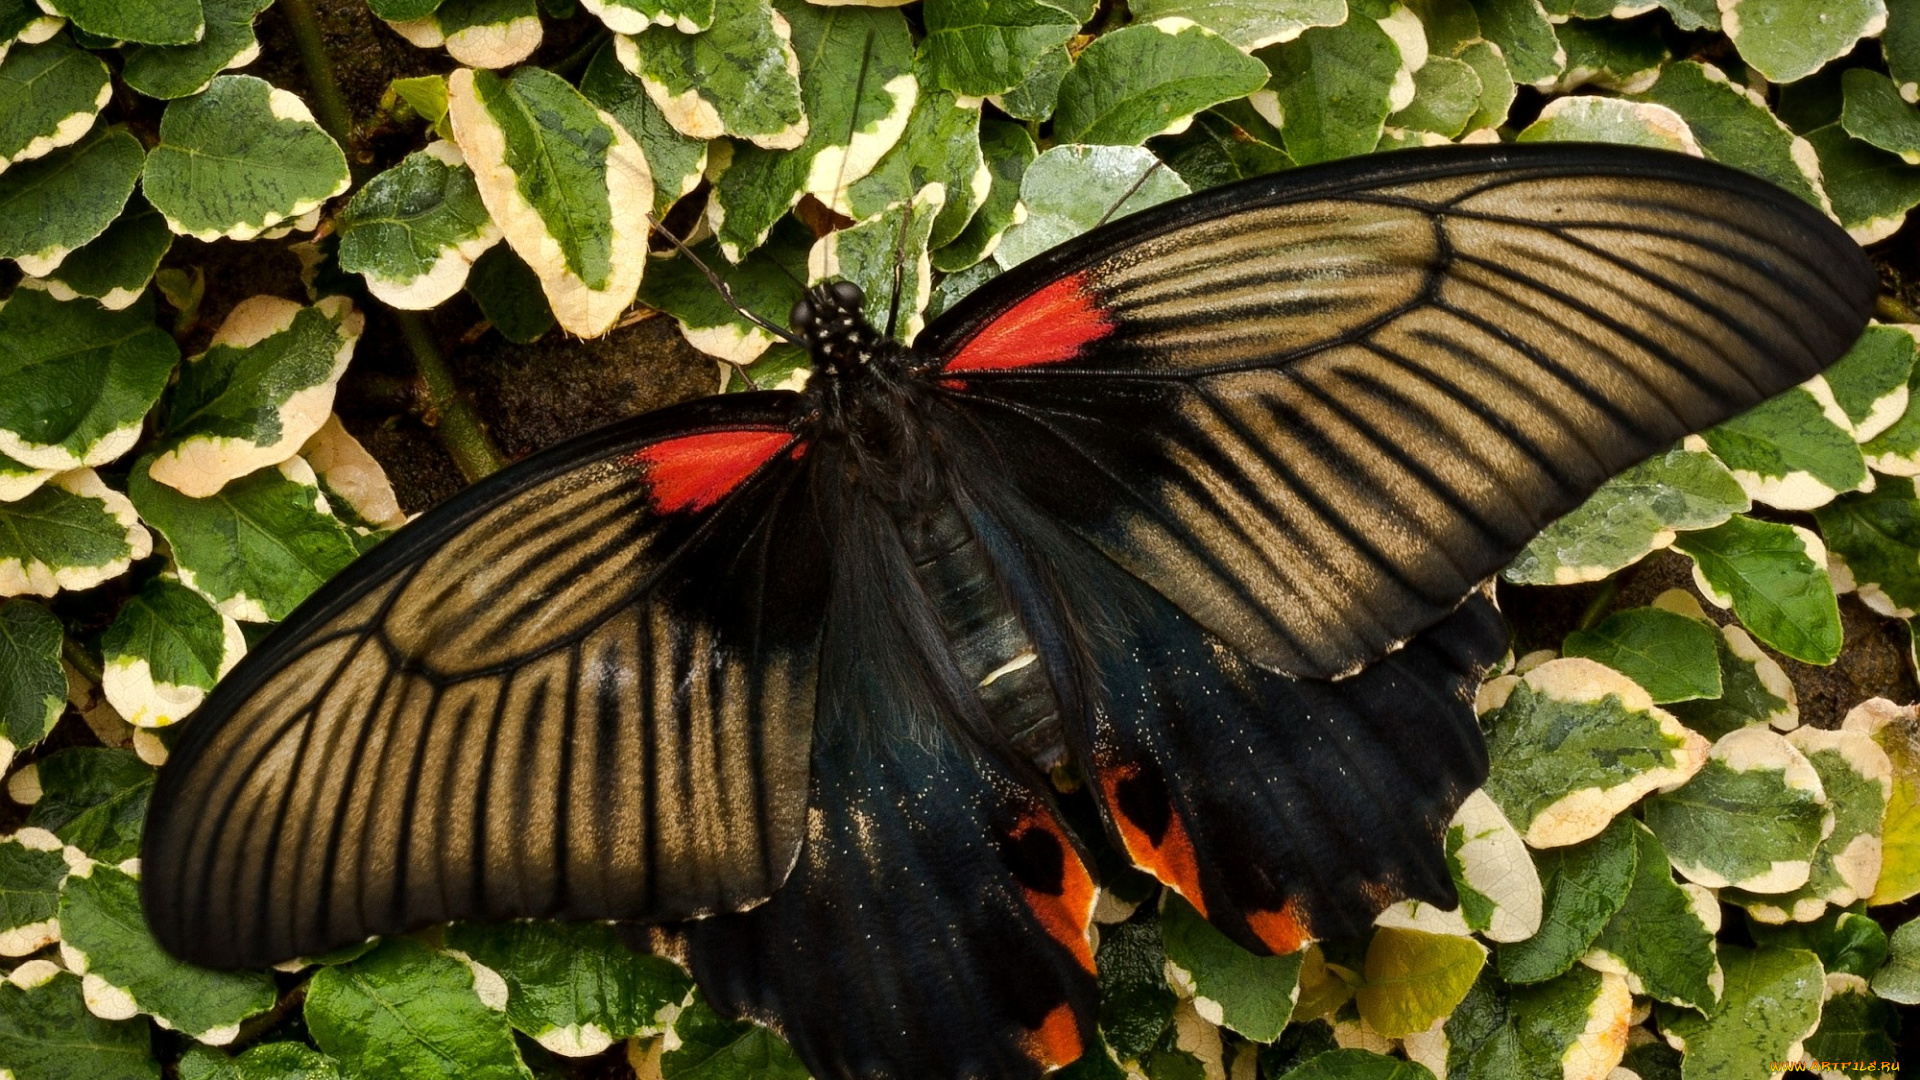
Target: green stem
(1597, 607)
(455, 422)
(82, 661)
(571, 63)
(1891, 309)
(330, 105)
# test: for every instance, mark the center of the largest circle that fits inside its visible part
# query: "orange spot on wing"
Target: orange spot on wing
(1046, 328)
(695, 471)
(1066, 916)
(1172, 860)
(1057, 1041)
(1283, 931)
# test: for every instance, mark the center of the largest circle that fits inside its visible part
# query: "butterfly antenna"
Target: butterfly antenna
(899, 268)
(726, 291)
(1137, 185)
(853, 123)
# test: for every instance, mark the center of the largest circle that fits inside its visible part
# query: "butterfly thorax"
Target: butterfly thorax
(869, 397)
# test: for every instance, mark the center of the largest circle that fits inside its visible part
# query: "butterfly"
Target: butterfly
(1200, 505)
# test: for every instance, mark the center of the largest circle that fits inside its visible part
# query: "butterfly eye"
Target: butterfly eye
(801, 317)
(848, 294)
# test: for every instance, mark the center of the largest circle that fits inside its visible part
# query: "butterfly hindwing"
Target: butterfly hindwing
(937, 924)
(584, 687)
(1317, 410)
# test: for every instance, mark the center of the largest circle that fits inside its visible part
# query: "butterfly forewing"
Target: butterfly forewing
(1317, 412)
(585, 688)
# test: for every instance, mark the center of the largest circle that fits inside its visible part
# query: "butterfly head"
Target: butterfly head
(832, 319)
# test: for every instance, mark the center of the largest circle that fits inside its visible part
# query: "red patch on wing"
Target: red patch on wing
(1172, 860)
(1046, 328)
(695, 471)
(1057, 1041)
(1065, 915)
(1283, 931)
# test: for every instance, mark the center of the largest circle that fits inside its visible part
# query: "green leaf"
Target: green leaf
(1900, 45)
(479, 33)
(1754, 689)
(31, 869)
(49, 95)
(1899, 981)
(1496, 85)
(402, 10)
(257, 548)
(1895, 729)
(51, 205)
(1787, 40)
(1069, 189)
(1034, 99)
(414, 230)
(1414, 978)
(1856, 1030)
(176, 71)
(73, 532)
(1335, 87)
(1873, 545)
(92, 798)
(1751, 817)
(1869, 383)
(867, 254)
(1662, 937)
(1249, 24)
(1791, 451)
(76, 380)
(239, 159)
(1136, 1004)
(1357, 1064)
(268, 1061)
(1618, 56)
(46, 1033)
(633, 16)
(1871, 189)
(1007, 150)
(1672, 657)
(986, 47)
(104, 939)
(18, 479)
(941, 145)
(1846, 942)
(508, 292)
(567, 185)
(1857, 778)
(1223, 146)
(33, 689)
(1525, 37)
(740, 77)
(677, 161)
(754, 187)
(115, 266)
(1771, 1003)
(1733, 125)
(1446, 95)
(714, 1048)
(152, 22)
(1874, 112)
(164, 651)
(1573, 743)
(1553, 1028)
(1252, 995)
(406, 1012)
(23, 22)
(1583, 886)
(1587, 118)
(1499, 890)
(1142, 81)
(574, 987)
(955, 286)
(1775, 579)
(262, 388)
(1632, 515)
(762, 282)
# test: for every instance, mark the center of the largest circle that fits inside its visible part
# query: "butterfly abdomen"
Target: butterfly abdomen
(983, 630)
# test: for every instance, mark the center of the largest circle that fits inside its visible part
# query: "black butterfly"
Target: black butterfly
(1202, 502)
